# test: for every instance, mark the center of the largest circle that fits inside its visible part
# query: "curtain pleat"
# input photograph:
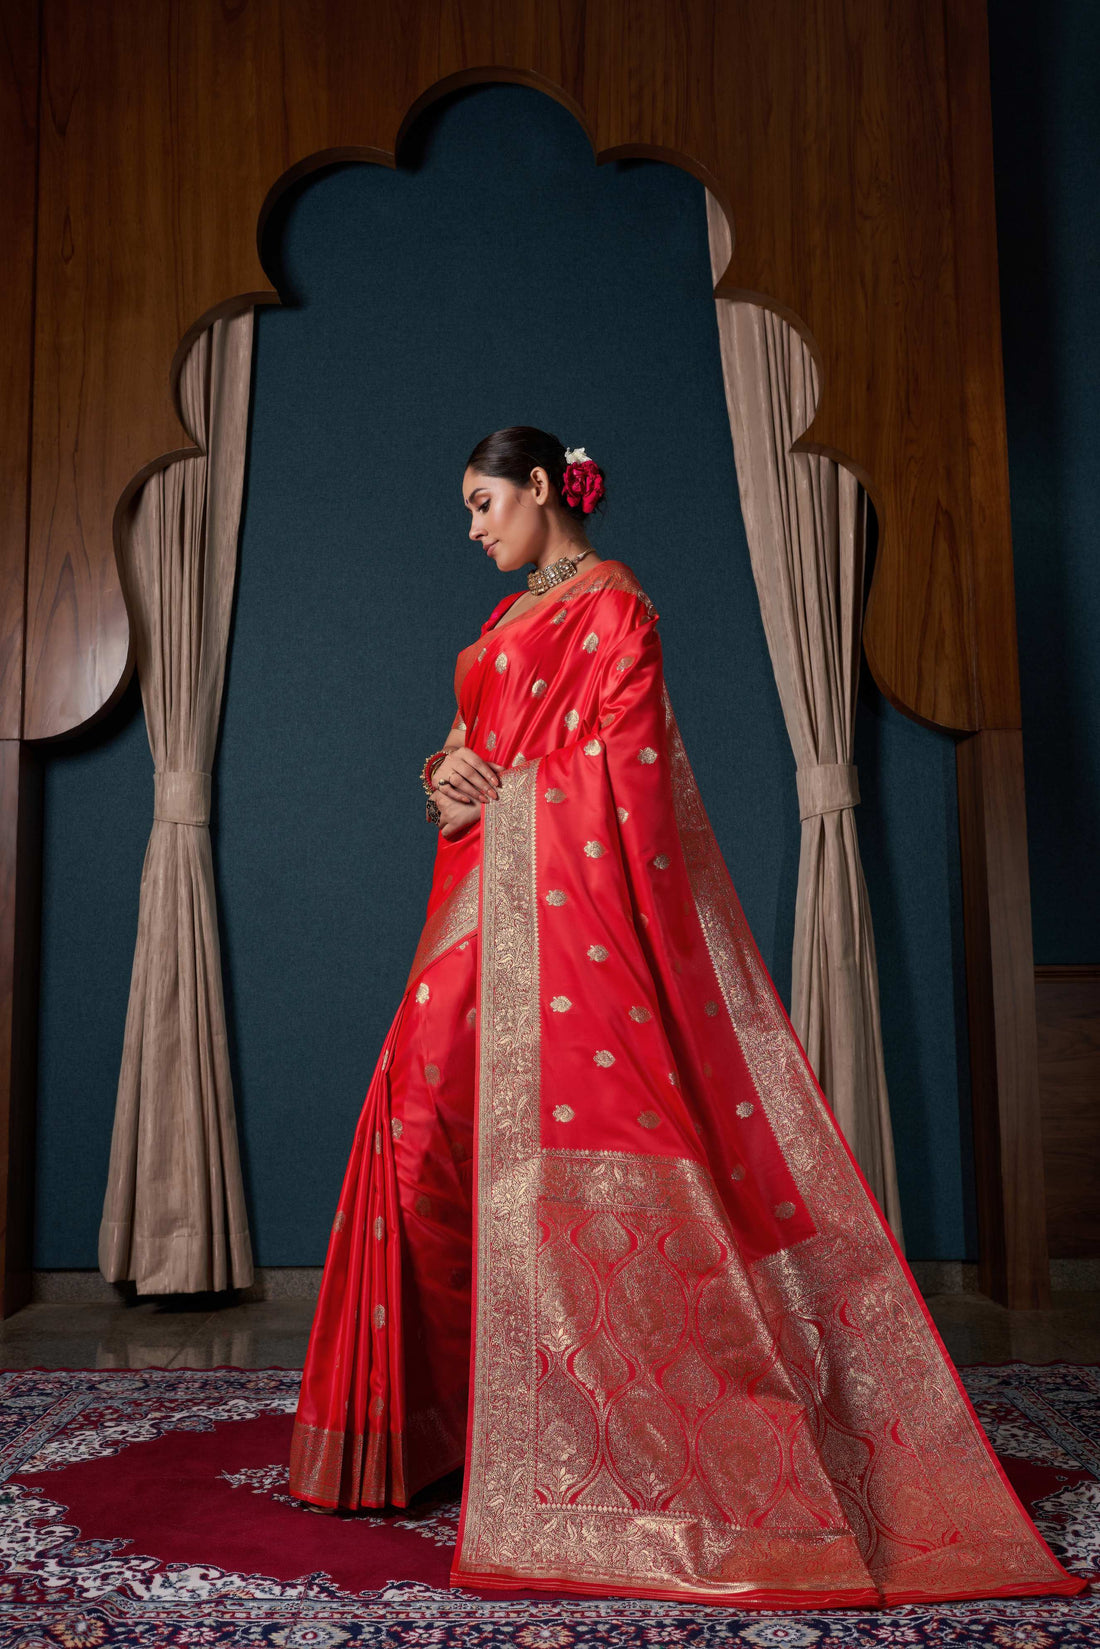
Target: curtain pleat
(174, 1218)
(805, 520)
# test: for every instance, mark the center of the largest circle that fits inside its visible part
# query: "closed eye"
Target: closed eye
(484, 507)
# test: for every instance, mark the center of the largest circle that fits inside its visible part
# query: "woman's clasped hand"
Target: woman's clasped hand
(461, 782)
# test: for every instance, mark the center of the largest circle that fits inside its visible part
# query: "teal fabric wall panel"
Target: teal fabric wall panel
(498, 276)
(1046, 136)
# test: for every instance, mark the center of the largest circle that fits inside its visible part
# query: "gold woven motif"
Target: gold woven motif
(791, 1417)
(550, 1491)
(453, 917)
(849, 1323)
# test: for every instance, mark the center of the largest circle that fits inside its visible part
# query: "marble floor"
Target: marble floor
(203, 1333)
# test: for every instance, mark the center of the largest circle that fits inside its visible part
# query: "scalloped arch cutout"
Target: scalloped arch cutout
(722, 250)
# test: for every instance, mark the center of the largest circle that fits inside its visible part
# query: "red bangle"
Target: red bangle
(429, 768)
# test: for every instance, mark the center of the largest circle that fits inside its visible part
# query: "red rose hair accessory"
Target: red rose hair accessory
(582, 480)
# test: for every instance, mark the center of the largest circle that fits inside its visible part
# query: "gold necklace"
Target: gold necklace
(544, 578)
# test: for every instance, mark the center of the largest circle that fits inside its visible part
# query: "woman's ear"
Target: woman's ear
(540, 483)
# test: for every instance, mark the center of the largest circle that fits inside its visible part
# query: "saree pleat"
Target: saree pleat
(432, 1092)
(382, 1409)
(348, 1444)
(698, 1364)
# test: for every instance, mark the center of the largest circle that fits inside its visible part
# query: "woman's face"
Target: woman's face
(510, 522)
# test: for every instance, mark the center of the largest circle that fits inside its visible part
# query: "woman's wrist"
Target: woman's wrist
(427, 772)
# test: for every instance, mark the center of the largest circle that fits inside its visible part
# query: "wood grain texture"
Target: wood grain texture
(1000, 978)
(836, 135)
(20, 813)
(1068, 1013)
(990, 595)
(19, 24)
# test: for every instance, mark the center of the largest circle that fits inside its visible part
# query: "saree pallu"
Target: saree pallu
(699, 1366)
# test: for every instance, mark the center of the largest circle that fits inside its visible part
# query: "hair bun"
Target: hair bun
(514, 452)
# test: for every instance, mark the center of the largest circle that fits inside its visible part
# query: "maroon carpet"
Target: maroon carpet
(220, 1497)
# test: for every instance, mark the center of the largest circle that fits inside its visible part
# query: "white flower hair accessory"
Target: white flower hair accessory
(576, 455)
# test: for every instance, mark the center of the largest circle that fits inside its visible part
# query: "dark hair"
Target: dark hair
(513, 453)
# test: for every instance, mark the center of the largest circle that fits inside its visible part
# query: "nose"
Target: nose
(477, 528)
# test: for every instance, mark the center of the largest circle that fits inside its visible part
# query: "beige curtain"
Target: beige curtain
(174, 1215)
(805, 519)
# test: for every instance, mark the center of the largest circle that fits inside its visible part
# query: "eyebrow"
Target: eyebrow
(471, 496)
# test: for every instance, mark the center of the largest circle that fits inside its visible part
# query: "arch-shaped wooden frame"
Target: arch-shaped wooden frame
(310, 165)
(852, 149)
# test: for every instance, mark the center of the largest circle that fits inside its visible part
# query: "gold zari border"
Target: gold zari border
(453, 919)
(900, 1449)
(897, 1429)
(514, 1523)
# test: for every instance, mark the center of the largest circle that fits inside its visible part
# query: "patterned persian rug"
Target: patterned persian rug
(150, 1507)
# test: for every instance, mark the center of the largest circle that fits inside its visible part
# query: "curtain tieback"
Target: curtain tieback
(181, 797)
(826, 789)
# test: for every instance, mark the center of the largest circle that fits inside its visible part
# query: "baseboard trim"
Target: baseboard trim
(301, 1282)
(280, 1282)
(960, 1277)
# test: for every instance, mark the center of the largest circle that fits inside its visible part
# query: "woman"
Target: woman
(594, 1169)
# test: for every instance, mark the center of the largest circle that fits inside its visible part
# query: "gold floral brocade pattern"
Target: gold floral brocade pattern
(499, 1437)
(454, 917)
(651, 1409)
(324, 1459)
(578, 1470)
(848, 1322)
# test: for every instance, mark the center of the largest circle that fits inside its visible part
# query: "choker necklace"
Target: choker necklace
(544, 578)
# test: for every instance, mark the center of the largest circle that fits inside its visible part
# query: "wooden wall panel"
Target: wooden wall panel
(18, 145)
(991, 595)
(1000, 981)
(1068, 1011)
(20, 776)
(826, 129)
(841, 202)
(165, 126)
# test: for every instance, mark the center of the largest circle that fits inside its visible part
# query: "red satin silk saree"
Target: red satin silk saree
(698, 1365)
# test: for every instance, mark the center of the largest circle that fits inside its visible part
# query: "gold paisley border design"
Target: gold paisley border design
(892, 1429)
(877, 1360)
(452, 920)
(512, 1526)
